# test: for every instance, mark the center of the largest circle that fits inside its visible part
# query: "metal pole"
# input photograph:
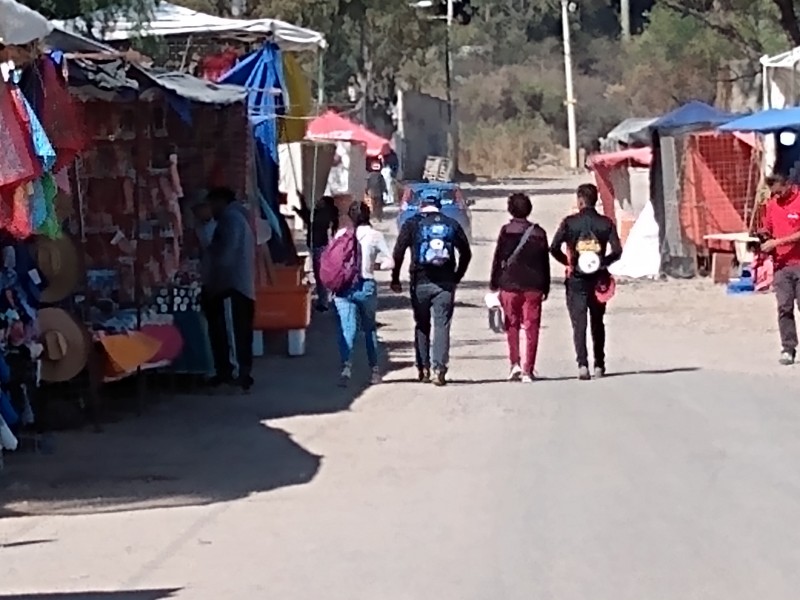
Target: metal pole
(451, 144)
(625, 19)
(572, 129)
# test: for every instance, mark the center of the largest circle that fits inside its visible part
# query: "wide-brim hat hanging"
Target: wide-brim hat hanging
(59, 263)
(66, 345)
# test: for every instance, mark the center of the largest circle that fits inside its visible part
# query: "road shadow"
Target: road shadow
(665, 371)
(24, 544)
(188, 449)
(152, 594)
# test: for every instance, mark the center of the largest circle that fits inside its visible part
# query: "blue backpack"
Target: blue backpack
(436, 242)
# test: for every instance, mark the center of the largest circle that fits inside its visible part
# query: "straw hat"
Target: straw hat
(59, 263)
(66, 345)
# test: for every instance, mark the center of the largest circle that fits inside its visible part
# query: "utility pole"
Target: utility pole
(572, 128)
(448, 61)
(625, 19)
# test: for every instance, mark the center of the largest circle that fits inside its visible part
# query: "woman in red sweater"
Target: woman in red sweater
(521, 273)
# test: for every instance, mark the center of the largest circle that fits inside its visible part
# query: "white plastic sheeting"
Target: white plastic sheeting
(169, 19)
(20, 25)
(780, 83)
(641, 257)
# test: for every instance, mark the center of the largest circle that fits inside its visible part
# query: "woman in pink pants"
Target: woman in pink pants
(521, 273)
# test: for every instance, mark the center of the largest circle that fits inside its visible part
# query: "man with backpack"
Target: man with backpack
(434, 240)
(588, 236)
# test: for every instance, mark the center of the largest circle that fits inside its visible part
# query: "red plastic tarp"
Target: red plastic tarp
(604, 165)
(333, 126)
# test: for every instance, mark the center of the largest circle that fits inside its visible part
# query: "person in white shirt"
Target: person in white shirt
(361, 302)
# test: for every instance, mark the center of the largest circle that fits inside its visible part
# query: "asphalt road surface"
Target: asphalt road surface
(675, 478)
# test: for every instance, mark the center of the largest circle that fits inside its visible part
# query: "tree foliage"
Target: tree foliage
(508, 61)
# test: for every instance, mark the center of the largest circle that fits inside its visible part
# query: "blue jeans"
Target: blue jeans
(361, 302)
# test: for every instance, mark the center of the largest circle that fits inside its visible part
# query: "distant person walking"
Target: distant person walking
(231, 276)
(781, 228)
(376, 188)
(434, 240)
(358, 302)
(320, 227)
(592, 244)
(521, 273)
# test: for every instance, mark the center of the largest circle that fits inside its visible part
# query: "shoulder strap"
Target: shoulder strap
(525, 237)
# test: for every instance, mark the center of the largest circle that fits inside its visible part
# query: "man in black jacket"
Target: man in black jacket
(592, 246)
(321, 226)
(434, 240)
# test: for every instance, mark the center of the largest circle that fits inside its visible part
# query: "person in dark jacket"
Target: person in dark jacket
(593, 245)
(320, 228)
(521, 273)
(434, 240)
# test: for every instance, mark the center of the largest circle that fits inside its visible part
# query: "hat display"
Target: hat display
(59, 262)
(66, 345)
(170, 338)
(128, 351)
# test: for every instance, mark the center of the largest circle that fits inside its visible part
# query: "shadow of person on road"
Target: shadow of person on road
(151, 594)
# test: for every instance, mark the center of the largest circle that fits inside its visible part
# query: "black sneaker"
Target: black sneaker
(217, 381)
(246, 383)
(424, 374)
(440, 377)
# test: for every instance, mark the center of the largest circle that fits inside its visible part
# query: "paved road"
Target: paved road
(676, 478)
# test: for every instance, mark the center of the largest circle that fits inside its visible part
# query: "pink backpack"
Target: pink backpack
(340, 263)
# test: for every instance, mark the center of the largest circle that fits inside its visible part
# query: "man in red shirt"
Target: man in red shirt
(782, 226)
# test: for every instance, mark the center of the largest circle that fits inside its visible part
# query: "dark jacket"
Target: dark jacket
(574, 227)
(530, 269)
(322, 226)
(409, 238)
(376, 185)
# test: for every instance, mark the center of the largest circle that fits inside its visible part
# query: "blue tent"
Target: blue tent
(692, 116)
(767, 121)
(261, 72)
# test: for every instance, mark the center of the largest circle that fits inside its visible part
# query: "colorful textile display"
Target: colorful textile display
(41, 135)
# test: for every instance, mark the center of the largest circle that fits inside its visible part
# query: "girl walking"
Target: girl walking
(360, 302)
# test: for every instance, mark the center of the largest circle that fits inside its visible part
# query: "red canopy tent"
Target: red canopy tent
(333, 126)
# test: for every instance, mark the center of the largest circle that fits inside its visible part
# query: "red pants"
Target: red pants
(522, 309)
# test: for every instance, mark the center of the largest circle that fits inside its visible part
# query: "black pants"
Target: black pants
(243, 312)
(431, 301)
(581, 301)
(787, 292)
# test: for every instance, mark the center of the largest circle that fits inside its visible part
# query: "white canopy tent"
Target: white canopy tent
(169, 19)
(780, 89)
(20, 25)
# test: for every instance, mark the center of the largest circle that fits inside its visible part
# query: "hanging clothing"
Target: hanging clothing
(16, 162)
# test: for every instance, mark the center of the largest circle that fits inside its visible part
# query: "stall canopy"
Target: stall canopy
(333, 126)
(766, 121)
(693, 116)
(20, 25)
(634, 131)
(168, 19)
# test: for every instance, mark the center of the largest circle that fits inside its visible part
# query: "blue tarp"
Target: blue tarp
(692, 116)
(767, 121)
(261, 73)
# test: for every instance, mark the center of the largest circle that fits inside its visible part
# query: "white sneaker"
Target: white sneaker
(344, 378)
(515, 374)
(376, 377)
(528, 378)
